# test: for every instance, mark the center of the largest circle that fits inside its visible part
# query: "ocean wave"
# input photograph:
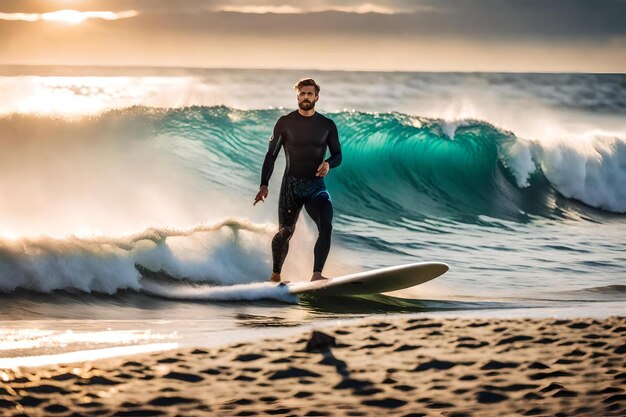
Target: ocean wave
(614, 292)
(422, 166)
(432, 166)
(226, 253)
(395, 165)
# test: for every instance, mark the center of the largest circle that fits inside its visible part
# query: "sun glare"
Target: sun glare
(72, 17)
(78, 96)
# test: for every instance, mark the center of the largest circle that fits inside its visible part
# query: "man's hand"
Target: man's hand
(323, 169)
(261, 195)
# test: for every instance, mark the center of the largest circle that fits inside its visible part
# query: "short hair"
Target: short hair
(307, 81)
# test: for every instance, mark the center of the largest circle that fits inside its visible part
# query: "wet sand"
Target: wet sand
(397, 366)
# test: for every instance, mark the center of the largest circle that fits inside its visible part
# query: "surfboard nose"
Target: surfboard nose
(440, 268)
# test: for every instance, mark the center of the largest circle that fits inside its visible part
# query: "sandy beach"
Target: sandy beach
(401, 367)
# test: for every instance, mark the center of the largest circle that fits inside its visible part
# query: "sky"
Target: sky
(385, 35)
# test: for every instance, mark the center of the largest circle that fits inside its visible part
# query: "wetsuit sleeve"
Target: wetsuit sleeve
(334, 146)
(276, 141)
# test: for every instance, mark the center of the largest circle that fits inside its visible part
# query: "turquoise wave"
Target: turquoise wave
(395, 165)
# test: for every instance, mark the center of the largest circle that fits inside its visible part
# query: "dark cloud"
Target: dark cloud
(533, 18)
(508, 19)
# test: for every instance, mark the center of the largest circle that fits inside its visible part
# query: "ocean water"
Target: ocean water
(516, 181)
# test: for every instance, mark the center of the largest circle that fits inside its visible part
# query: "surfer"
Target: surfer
(305, 135)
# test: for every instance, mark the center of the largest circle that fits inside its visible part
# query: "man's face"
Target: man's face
(307, 97)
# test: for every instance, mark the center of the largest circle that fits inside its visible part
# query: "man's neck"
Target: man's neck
(306, 113)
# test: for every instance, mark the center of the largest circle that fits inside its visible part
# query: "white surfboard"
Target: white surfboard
(377, 281)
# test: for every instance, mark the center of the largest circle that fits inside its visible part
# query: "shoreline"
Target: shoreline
(390, 365)
(159, 338)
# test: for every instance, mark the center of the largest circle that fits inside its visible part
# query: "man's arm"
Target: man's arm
(334, 146)
(276, 141)
(335, 152)
(272, 153)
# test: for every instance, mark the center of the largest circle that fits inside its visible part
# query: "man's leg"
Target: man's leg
(280, 248)
(320, 209)
(288, 211)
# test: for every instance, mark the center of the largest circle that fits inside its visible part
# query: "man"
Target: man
(305, 135)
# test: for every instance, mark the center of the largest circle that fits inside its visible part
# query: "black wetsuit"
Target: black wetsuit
(305, 140)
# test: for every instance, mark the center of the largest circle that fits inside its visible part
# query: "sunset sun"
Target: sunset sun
(71, 17)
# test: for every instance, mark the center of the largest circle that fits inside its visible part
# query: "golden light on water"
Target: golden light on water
(74, 96)
(37, 347)
(71, 17)
(20, 339)
(83, 355)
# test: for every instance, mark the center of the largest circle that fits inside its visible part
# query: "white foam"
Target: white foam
(518, 158)
(255, 291)
(449, 127)
(228, 252)
(589, 168)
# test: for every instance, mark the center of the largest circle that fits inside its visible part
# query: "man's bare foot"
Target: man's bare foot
(317, 276)
(275, 277)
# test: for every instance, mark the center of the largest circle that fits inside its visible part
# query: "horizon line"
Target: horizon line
(167, 67)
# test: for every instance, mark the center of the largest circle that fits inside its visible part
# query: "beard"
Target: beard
(306, 105)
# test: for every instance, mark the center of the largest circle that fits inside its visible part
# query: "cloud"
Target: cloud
(313, 8)
(243, 6)
(283, 9)
(68, 16)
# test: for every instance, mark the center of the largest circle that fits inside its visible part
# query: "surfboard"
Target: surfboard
(376, 281)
